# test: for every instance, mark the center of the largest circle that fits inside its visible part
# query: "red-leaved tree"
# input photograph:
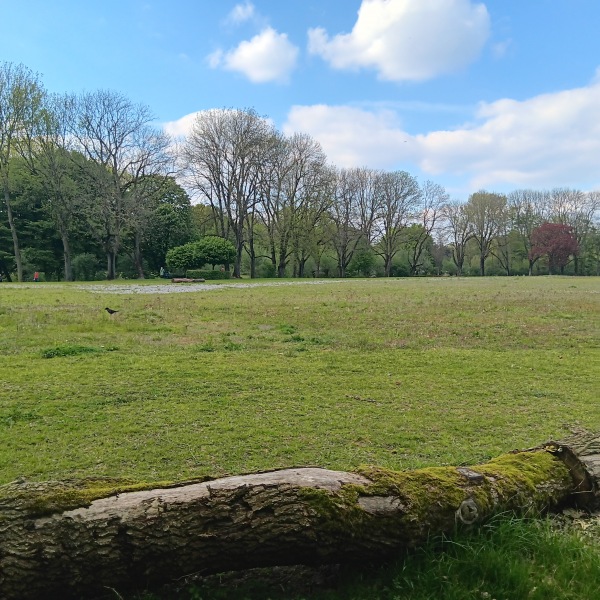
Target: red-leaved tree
(557, 242)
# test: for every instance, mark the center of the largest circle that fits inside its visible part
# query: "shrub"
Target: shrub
(211, 250)
(216, 250)
(207, 274)
(84, 266)
(183, 257)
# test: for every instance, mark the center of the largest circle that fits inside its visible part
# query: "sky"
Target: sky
(491, 94)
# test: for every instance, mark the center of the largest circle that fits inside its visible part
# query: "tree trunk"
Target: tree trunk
(387, 266)
(302, 265)
(111, 265)
(13, 232)
(138, 259)
(237, 265)
(252, 255)
(57, 541)
(67, 256)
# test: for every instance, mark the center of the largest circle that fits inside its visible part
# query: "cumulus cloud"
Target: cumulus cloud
(407, 40)
(546, 141)
(552, 138)
(268, 56)
(181, 127)
(353, 137)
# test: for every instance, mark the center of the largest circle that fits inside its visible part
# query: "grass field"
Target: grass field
(400, 373)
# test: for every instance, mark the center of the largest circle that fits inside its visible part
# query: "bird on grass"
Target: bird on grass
(110, 311)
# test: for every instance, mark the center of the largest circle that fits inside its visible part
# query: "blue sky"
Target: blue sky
(494, 94)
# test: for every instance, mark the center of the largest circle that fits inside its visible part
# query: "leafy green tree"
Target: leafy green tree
(363, 262)
(161, 220)
(21, 96)
(184, 257)
(85, 266)
(117, 137)
(216, 250)
(46, 154)
(170, 226)
(211, 250)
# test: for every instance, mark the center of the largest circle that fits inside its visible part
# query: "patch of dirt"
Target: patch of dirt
(180, 288)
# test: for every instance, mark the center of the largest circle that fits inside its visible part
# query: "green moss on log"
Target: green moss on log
(528, 479)
(427, 499)
(43, 499)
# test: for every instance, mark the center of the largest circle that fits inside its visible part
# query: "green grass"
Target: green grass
(398, 373)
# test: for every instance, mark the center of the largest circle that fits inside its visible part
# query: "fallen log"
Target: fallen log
(186, 280)
(77, 538)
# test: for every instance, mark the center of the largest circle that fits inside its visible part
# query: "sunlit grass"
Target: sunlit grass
(401, 373)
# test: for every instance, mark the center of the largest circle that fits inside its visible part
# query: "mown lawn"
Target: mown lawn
(401, 373)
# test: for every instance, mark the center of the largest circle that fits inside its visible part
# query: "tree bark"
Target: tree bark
(66, 254)
(74, 539)
(14, 234)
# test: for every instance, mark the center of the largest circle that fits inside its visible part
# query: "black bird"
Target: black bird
(110, 311)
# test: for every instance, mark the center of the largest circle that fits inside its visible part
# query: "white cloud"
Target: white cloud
(182, 127)
(546, 141)
(241, 12)
(353, 137)
(268, 56)
(407, 39)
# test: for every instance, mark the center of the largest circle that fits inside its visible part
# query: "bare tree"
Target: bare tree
(485, 211)
(439, 251)
(294, 179)
(460, 231)
(353, 213)
(224, 156)
(117, 138)
(398, 194)
(21, 98)
(502, 245)
(310, 235)
(433, 198)
(528, 210)
(276, 208)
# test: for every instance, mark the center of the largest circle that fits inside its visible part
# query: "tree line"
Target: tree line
(93, 189)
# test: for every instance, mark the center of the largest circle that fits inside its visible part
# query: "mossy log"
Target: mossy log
(76, 539)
